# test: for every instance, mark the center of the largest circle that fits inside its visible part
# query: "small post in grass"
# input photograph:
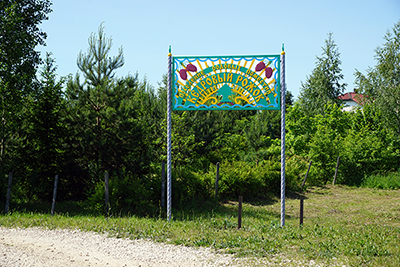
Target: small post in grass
(8, 192)
(54, 195)
(240, 212)
(216, 182)
(163, 185)
(305, 178)
(337, 166)
(301, 210)
(107, 196)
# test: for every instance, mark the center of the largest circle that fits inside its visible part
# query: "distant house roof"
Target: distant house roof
(351, 100)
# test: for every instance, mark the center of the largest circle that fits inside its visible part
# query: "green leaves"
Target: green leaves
(381, 84)
(364, 145)
(184, 145)
(324, 85)
(19, 35)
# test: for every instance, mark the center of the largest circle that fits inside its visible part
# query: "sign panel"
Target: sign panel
(226, 83)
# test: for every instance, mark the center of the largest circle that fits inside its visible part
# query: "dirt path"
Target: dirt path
(39, 247)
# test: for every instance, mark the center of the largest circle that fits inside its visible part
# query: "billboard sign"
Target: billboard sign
(226, 83)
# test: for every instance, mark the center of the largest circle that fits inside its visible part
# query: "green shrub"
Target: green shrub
(363, 154)
(252, 180)
(189, 187)
(127, 194)
(141, 195)
(271, 152)
(238, 179)
(388, 181)
(296, 168)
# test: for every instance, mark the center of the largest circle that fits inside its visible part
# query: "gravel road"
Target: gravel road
(40, 247)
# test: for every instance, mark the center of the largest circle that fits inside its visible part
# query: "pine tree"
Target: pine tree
(99, 70)
(42, 154)
(324, 85)
(110, 117)
(96, 94)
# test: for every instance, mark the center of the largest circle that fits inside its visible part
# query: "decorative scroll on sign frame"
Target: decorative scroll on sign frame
(226, 83)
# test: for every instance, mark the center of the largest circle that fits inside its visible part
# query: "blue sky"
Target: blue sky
(145, 29)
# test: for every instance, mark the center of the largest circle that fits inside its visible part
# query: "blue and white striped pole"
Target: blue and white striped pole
(283, 126)
(169, 114)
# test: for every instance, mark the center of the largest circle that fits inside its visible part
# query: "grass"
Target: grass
(342, 226)
(385, 181)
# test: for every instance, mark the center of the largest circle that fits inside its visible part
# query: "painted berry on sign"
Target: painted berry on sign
(183, 74)
(191, 68)
(268, 72)
(260, 66)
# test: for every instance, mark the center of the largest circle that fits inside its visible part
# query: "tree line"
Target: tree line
(82, 126)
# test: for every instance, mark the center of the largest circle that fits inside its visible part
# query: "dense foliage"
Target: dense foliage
(19, 34)
(96, 122)
(324, 84)
(382, 83)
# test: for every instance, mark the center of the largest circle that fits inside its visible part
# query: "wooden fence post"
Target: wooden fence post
(305, 178)
(54, 195)
(336, 170)
(301, 210)
(216, 182)
(107, 196)
(240, 212)
(8, 192)
(163, 184)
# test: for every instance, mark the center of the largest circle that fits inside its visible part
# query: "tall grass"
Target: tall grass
(383, 181)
